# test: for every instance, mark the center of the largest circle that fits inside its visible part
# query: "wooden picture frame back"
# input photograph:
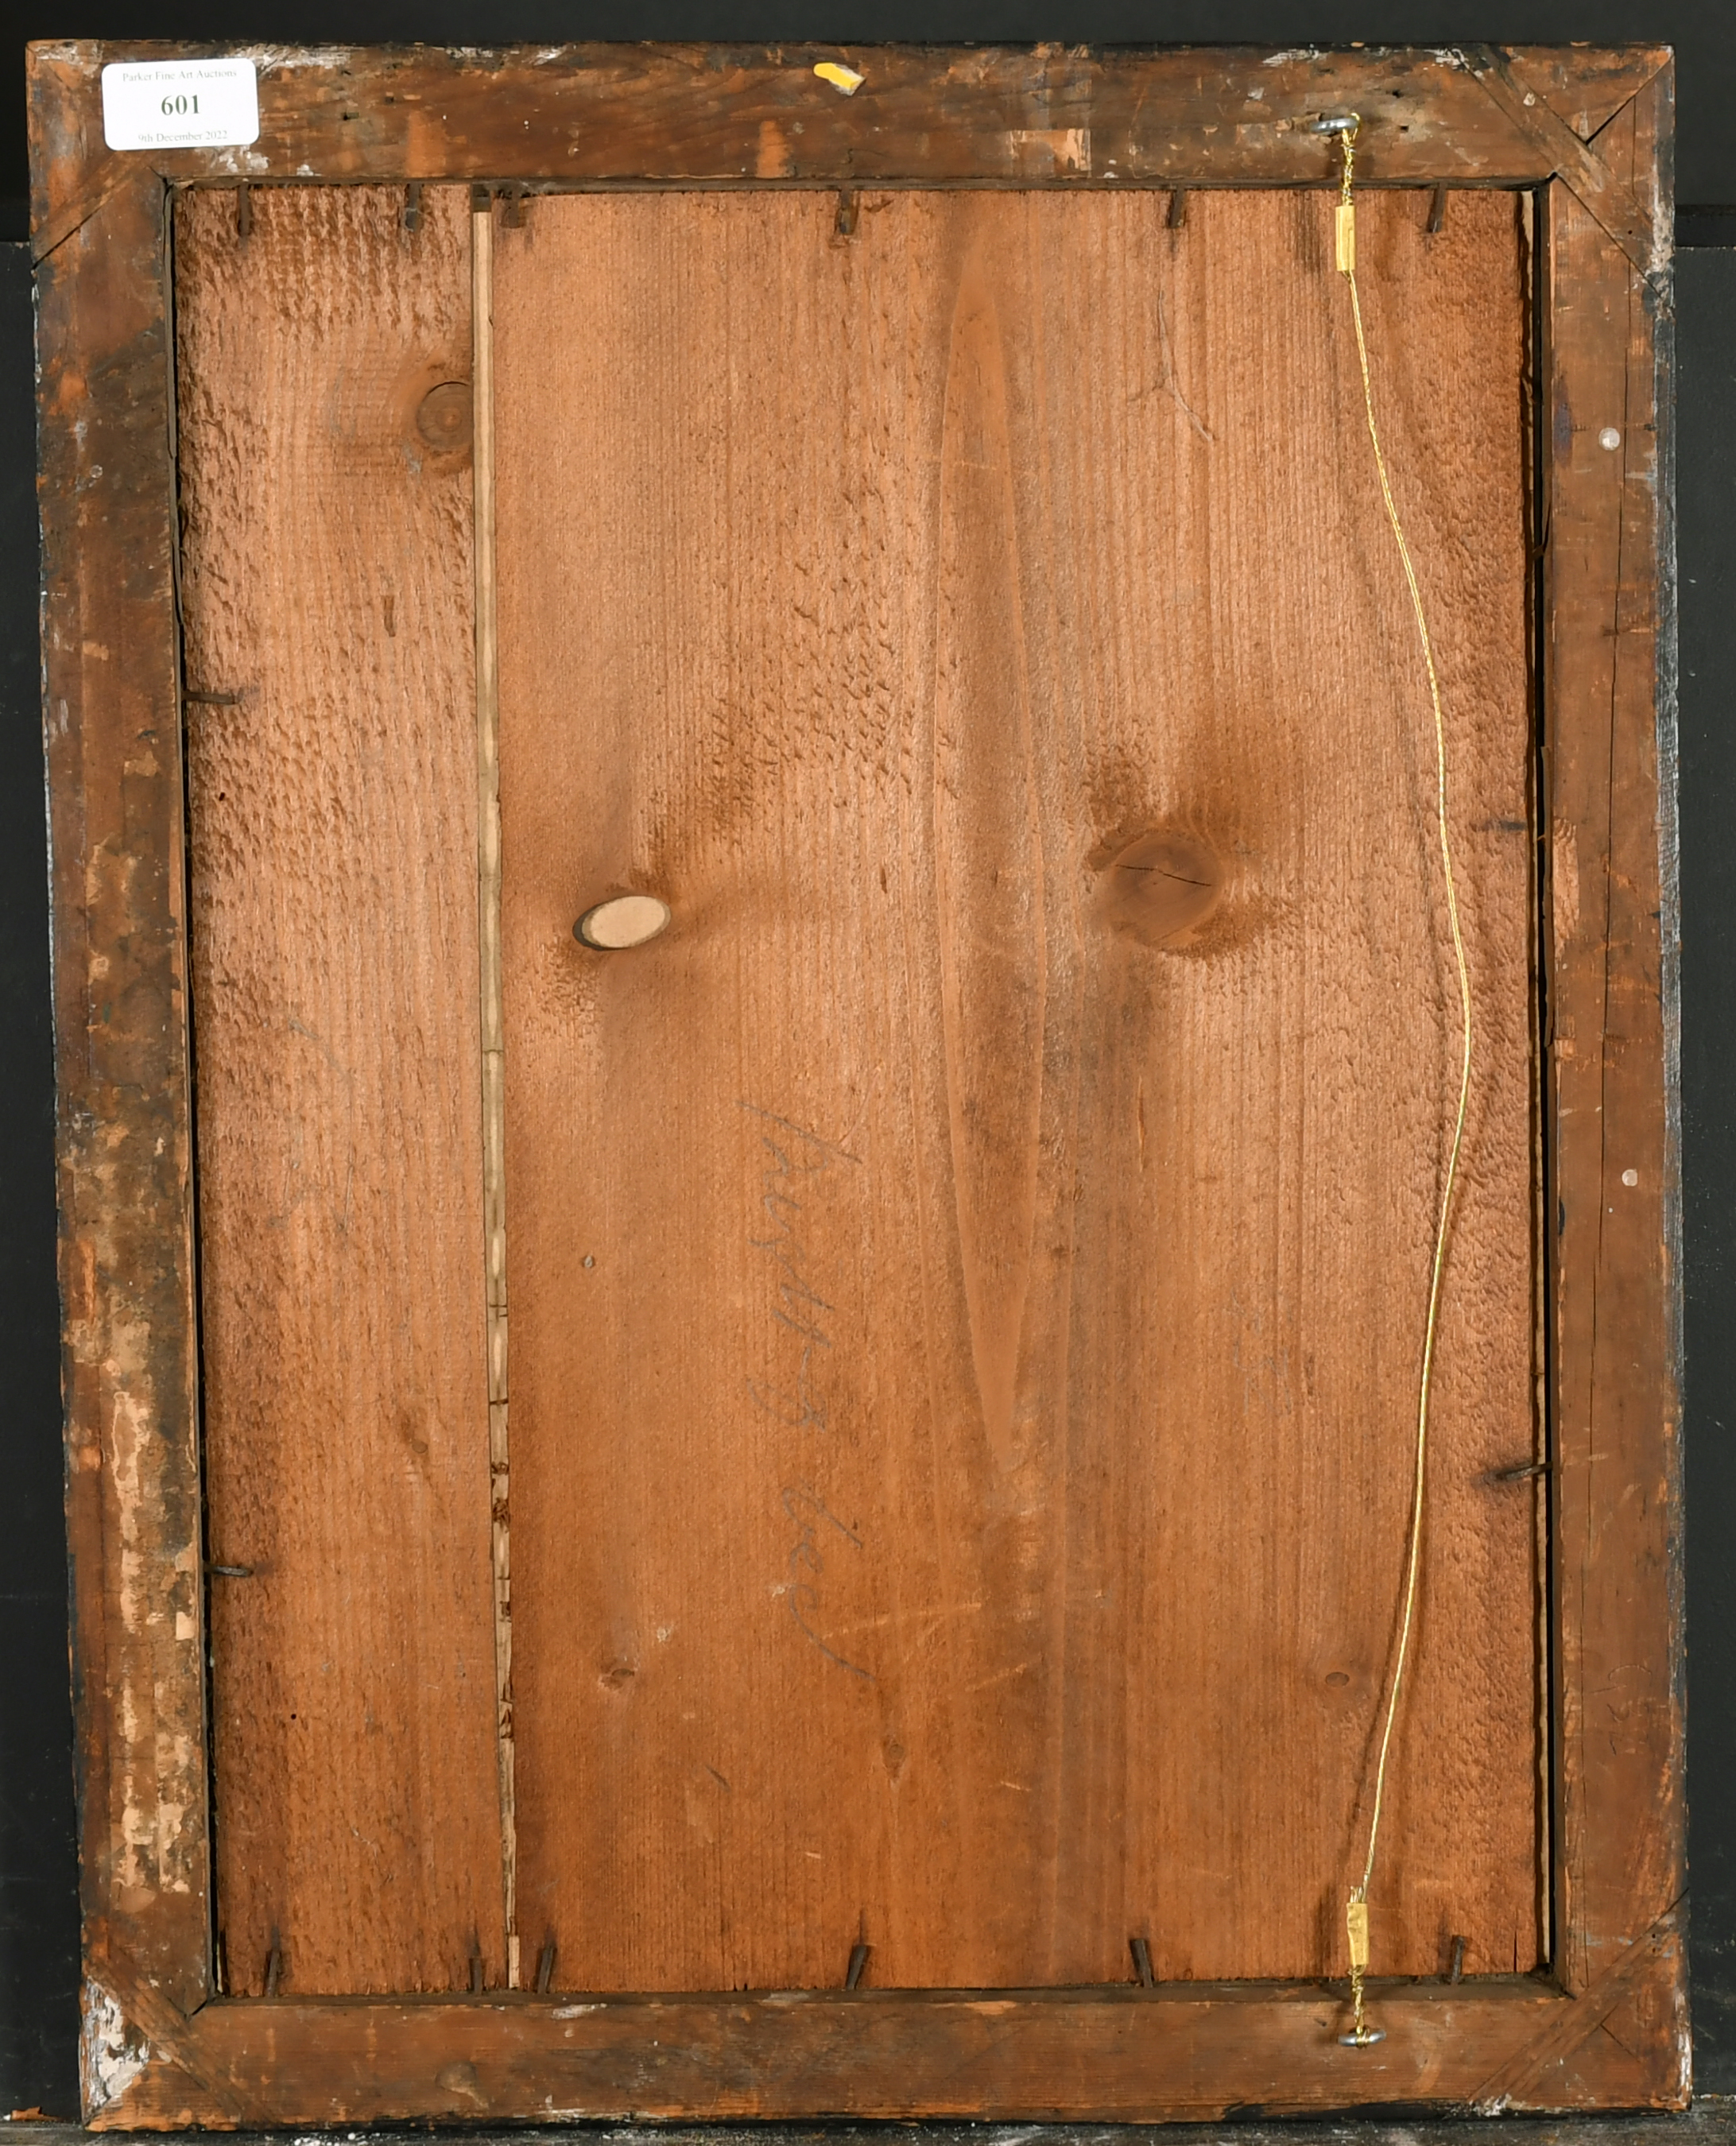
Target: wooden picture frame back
(1589, 131)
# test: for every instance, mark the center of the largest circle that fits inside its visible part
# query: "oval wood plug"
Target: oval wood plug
(624, 920)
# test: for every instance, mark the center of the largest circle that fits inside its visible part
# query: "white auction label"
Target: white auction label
(180, 104)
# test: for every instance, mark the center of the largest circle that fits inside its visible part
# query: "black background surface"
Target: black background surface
(38, 1915)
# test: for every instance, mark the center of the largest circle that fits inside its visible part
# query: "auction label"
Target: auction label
(180, 104)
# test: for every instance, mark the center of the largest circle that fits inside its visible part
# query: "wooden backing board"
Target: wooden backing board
(965, 1316)
(1607, 2028)
(326, 592)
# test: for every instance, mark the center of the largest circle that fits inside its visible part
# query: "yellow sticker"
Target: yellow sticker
(1356, 1922)
(840, 77)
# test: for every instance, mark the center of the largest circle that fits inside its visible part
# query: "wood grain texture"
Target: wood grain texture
(121, 1039)
(112, 734)
(1609, 654)
(964, 1340)
(1636, 229)
(1124, 2054)
(1034, 116)
(1496, 2045)
(327, 585)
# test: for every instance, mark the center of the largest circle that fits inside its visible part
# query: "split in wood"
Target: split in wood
(1140, 1948)
(546, 1969)
(1178, 208)
(220, 1963)
(1455, 1972)
(1437, 209)
(858, 1962)
(273, 1967)
(850, 210)
(243, 211)
(212, 700)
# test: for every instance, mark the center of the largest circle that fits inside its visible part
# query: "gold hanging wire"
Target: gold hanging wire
(1356, 1909)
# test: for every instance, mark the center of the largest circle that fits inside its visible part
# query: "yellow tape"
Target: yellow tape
(1356, 1922)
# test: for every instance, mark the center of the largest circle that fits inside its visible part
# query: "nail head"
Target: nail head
(1610, 438)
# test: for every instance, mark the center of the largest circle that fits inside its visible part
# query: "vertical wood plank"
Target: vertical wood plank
(1610, 681)
(488, 1003)
(333, 783)
(113, 740)
(966, 1313)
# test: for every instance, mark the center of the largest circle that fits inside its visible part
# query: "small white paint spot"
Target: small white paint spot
(666, 1633)
(573, 2011)
(1530, 96)
(589, 1261)
(1631, 1177)
(1609, 439)
(112, 2054)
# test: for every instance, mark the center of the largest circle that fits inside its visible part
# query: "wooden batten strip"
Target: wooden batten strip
(493, 1095)
(1043, 115)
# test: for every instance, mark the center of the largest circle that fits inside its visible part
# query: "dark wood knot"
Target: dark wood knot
(1163, 885)
(443, 416)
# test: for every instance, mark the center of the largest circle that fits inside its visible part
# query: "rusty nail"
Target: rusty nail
(1438, 209)
(1455, 1973)
(243, 211)
(858, 1961)
(1141, 1950)
(1178, 208)
(850, 208)
(546, 1969)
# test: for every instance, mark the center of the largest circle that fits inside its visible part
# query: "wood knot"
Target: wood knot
(443, 418)
(1163, 885)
